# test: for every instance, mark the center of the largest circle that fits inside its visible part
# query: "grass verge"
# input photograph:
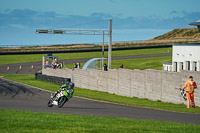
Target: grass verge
(34, 122)
(104, 96)
(10, 59)
(138, 63)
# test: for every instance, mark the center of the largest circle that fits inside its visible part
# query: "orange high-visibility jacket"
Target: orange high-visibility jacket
(190, 85)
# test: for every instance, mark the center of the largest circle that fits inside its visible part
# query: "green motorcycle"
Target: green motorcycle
(60, 97)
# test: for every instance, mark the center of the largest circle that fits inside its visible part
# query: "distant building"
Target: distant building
(167, 67)
(186, 57)
(197, 23)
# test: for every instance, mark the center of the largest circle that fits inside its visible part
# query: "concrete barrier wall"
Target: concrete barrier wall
(150, 84)
(65, 73)
(113, 81)
(138, 84)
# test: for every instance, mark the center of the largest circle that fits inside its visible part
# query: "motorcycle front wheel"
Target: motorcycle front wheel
(50, 103)
(61, 101)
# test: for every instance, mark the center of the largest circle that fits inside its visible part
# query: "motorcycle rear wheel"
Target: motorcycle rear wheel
(61, 101)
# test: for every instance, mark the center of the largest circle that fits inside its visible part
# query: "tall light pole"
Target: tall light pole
(103, 51)
(110, 45)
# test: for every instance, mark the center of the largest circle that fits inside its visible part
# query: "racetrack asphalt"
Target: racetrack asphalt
(23, 97)
(33, 67)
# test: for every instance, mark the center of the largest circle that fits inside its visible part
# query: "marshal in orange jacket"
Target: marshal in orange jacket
(190, 85)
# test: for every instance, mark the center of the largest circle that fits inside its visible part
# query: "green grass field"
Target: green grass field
(12, 59)
(24, 122)
(138, 63)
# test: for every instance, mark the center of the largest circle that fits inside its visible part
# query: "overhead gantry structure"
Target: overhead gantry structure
(86, 32)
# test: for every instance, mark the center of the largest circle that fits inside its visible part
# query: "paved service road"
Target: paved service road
(17, 96)
(33, 67)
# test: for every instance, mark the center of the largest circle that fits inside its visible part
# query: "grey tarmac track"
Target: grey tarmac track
(22, 97)
(26, 68)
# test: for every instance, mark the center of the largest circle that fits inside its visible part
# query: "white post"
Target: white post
(185, 65)
(43, 62)
(198, 65)
(110, 45)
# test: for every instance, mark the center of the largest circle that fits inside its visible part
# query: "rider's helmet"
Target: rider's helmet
(71, 85)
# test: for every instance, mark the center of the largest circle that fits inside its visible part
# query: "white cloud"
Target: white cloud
(32, 19)
(19, 26)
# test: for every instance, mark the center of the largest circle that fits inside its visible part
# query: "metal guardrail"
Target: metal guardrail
(52, 79)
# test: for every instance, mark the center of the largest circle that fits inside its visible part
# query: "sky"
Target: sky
(132, 19)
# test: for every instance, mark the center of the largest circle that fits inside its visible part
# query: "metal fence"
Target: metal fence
(52, 79)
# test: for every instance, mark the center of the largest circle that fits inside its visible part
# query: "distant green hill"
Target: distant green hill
(185, 34)
(176, 36)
